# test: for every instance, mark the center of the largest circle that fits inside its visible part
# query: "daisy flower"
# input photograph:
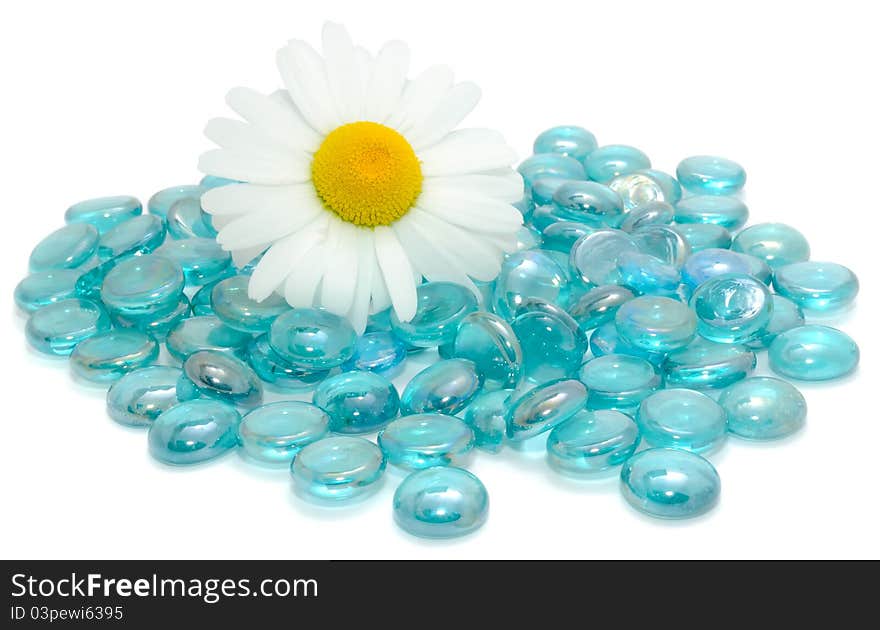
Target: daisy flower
(356, 184)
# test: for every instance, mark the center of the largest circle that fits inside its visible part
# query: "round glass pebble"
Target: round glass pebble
(817, 286)
(813, 353)
(104, 213)
(708, 174)
(276, 432)
(786, 315)
(357, 402)
(486, 416)
(728, 212)
(194, 431)
(161, 202)
(618, 381)
(763, 408)
(141, 234)
(424, 440)
(776, 244)
(647, 275)
(42, 288)
(594, 257)
(440, 307)
(232, 306)
(637, 190)
(527, 238)
(278, 372)
(202, 259)
(447, 386)
(732, 308)
(550, 164)
(528, 275)
(211, 374)
(651, 213)
(605, 340)
(143, 286)
(575, 142)
(491, 344)
(670, 483)
(590, 203)
(109, 355)
(592, 441)
(186, 219)
(562, 235)
(700, 236)
(201, 300)
(544, 407)
(612, 160)
(65, 248)
(656, 324)
(313, 339)
(599, 305)
(159, 326)
(441, 502)
(59, 327)
(758, 268)
(338, 467)
(543, 188)
(379, 352)
(682, 418)
(711, 263)
(671, 187)
(705, 364)
(553, 345)
(663, 242)
(205, 332)
(139, 397)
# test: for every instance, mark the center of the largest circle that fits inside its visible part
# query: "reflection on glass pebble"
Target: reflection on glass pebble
(338, 467)
(202, 259)
(201, 300)
(758, 268)
(139, 235)
(732, 308)
(599, 305)
(562, 235)
(728, 212)
(813, 353)
(59, 327)
(109, 355)
(527, 238)
(278, 372)
(65, 248)
(605, 340)
(682, 418)
(491, 344)
(656, 324)
(671, 187)
(446, 386)
(775, 243)
(424, 440)
(705, 364)
(618, 381)
(104, 212)
(186, 219)
(313, 339)
(543, 189)
(637, 190)
(552, 343)
(161, 202)
(647, 275)
(157, 326)
(46, 287)
(670, 483)
(205, 332)
(663, 242)
(713, 262)
(143, 286)
(379, 352)
(194, 431)
(486, 417)
(528, 275)
(700, 236)
(140, 396)
(212, 374)
(441, 502)
(817, 286)
(357, 402)
(652, 213)
(232, 306)
(550, 164)
(763, 408)
(592, 441)
(440, 307)
(594, 257)
(542, 408)
(591, 203)
(712, 175)
(785, 316)
(276, 432)
(612, 160)
(575, 142)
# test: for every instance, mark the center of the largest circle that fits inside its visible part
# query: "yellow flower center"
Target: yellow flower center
(367, 173)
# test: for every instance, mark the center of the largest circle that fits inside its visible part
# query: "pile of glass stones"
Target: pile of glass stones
(622, 335)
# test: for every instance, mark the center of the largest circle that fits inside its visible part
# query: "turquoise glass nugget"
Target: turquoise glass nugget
(776, 244)
(379, 352)
(527, 238)
(590, 203)
(592, 441)
(486, 417)
(440, 307)
(66, 248)
(605, 340)
(647, 275)
(700, 236)
(786, 315)
(712, 175)
(202, 259)
(276, 432)
(682, 418)
(638, 189)
(279, 372)
(670, 483)
(441, 502)
(732, 308)
(728, 212)
(562, 235)
(543, 407)
(594, 257)
(543, 188)
(143, 286)
(233, 307)
(59, 327)
(813, 353)
(161, 202)
(139, 397)
(664, 242)
(157, 326)
(656, 324)
(109, 355)
(599, 305)
(817, 286)
(357, 402)
(42, 288)
(425, 440)
(550, 164)
(201, 300)
(212, 181)
(612, 160)
(338, 467)
(705, 364)
(651, 213)
(711, 263)
(528, 275)
(568, 140)
(763, 408)
(553, 344)
(618, 381)
(186, 219)
(194, 431)
(139, 235)
(313, 339)
(670, 185)
(447, 386)
(490, 343)
(104, 212)
(211, 374)
(205, 332)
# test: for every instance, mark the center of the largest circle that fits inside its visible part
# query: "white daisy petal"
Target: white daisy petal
(478, 257)
(274, 119)
(397, 272)
(360, 308)
(283, 256)
(302, 282)
(340, 277)
(260, 227)
(364, 61)
(221, 221)
(239, 136)
(305, 77)
(505, 242)
(238, 199)
(241, 257)
(342, 71)
(507, 188)
(420, 96)
(386, 81)
(466, 151)
(434, 263)
(259, 169)
(379, 297)
(448, 112)
(471, 211)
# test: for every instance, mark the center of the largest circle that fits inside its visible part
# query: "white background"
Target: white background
(103, 98)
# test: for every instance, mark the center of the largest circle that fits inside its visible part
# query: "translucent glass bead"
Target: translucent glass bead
(212, 181)
(379, 352)
(194, 431)
(711, 175)
(656, 324)
(599, 305)
(103, 213)
(425, 440)
(205, 333)
(279, 372)
(441, 502)
(544, 407)
(528, 275)
(671, 187)
(732, 308)
(612, 160)
(186, 219)
(201, 300)
(700, 236)
(568, 140)
(605, 340)
(66, 248)
(550, 164)
(59, 327)
(161, 202)
(141, 234)
(786, 315)
(211, 374)
(543, 189)
(590, 203)
(157, 326)
(143, 286)
(491, 344)
(711, 263)
(440, 308)
(637, 189)
(663, 242)
(140, 396)
(813, 353)
(594, 257)
(652, 213)
(447, 386)
(313, 339)
(647, 275)
(763, 408)
(553, 344)
(758, 268)
(527, 238)
(618, 381)
(562, 235)
(682, 418)
(338, 467)
(704, 364)
(817, 286)
(232, 306)
(728, 212)
(276, 432)
(670, 483)
(775, 243)
(357, 402)
(46, 287)
(592, 441)
(109, 355)
(202, 259)
(486, 416)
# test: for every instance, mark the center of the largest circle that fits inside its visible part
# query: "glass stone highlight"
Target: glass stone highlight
(605, 340)
(670, 483)
(141, 234)
(65, 248)
(732, 308)
(440, 308)
(728, 212)
(279, 372)
(46, 287)
(700, 236)
(424, 440)
(490, 343)
(776, 244)
(276, 432)
(104, 213)
(813, 353)
(211, 374)
(59, 327)
(139, 397)
(186, 219)
(528, 275)
(441, 502)
(447, 386)
(205, 332)
(194, 431)
(549, 164)
(594, 257)
(486, 417)
(379, 352)
(232, 306)
(711, 263)
(656, 324)
(647, 275)
(817, 286)
(109, 355)
(553, 345)
(610, 161)
(202, 259)
(599, 305)
(705, 364)
(708, 174)
(617, 381)
(575, 142)
(682, 418)
(592, 441)
(786, 315)
(763, 408)
(638, 189)
(357, 402)
(161, 202)
(337, 467)
(544, 407)
(143, 286)
(592, 204)
(312, 339)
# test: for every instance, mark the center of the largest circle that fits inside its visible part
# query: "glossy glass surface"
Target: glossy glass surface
(813, 353)
(205, 332)
(143, 286)
(763, 408)
(276, 432)
(526, 276)
(338, 467)
(440, 308)
(700, 236)
(486, 417)
(553, 345)
(160, 203)
(776, 244)
(704, 364)
(104, 213)
(140, 396)
(379, 352)
(491, 344)
(594, 257)
(599, 305)
(542, 408)
(441, 502)
(212, 374)
(711, 263)
(42, 288)
(709, 174)
(313, 339)
(656, 324)
(59, 327)
(141, 234)
(590, 203)
(728, 212)
(682, 418)
(446, 386)
(425, 440)
(592, 441)
(279, 372)
(107, 356)
(232, 306)
(194, 431)
(618, 381)
(186, 219)
(817, 286)
(646, 275)
(732, 308)
(65, 248)
(575, 142)
(202, 259)
(357, 402)
(670, 483)
(609, 161)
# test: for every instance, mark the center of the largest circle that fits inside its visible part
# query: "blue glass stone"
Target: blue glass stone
(544, 187)
(491, 344)
(637, 190)
(618, 381)
(313, 339)
(763, 408)
(708, 174)
(66, 248)
(201, 300)
(728, 212)
(711, 263)
(663, 242)
(276, 432)
(758, 268)
(486, 416)
(447, 386)
(338, 467)
(592, 441)
(647, 275)
(212, 374)
(205, 333)
(704, 364)
(202, 259)
(550, 164)
(159, 326)
(212, 181)
(553, 345)
(542, 408)
(108, 355)
(652, 213)
(700, 236)
(143, 286)
(139, 235)
(817, 286)
(139, 397)
(161, 202)
(562, 235)
(671, 187)
(568, 140)
(424, 440)
(786, 315)
(357, 402)
(233, 307)
(524, 205)
(46, 287)
(525, 276)
(88, 285)
(732, 308)
(599, 305)
(441, 502)
(279, 372)
(656, 324)
(590, 203)
(194, 431)
(379, 352)
(682, 418)
(670, 483)
(59, 327)
(104, 213)
(594, 257)
(605, 340)
(187, 219)
(612, 160)
(527, 238)
(440, 308)
(775, 243)
(813, 353)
